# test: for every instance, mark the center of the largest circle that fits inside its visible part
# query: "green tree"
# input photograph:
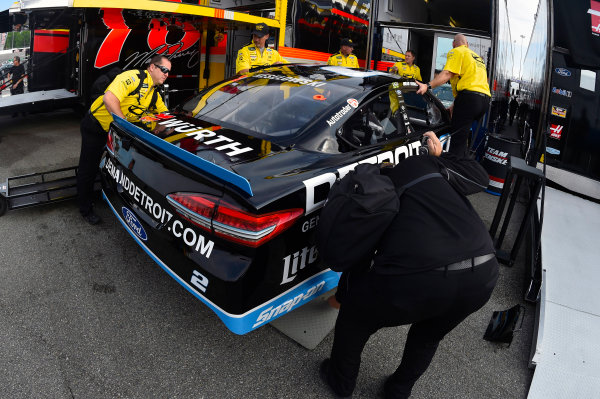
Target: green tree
(17, 39)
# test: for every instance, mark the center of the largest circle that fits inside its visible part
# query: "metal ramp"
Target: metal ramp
(567, 349)
(37, 101)
(39, 188)
(309, 324)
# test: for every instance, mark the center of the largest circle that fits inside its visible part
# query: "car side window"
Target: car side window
(371, 124)
(422, 113)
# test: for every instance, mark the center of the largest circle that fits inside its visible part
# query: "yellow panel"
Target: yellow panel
(165, 6)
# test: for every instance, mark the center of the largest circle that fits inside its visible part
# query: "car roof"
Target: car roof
(359, 78)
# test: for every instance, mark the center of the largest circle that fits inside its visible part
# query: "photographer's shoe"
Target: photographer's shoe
(324, 374)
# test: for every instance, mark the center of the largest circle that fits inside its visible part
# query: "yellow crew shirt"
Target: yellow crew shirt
(250, 57)
(470, 71)
(408, 71)
(134, 106)
(339, 59)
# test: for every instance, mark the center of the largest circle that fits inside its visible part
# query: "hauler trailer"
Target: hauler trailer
(561, 83)
(74, 42)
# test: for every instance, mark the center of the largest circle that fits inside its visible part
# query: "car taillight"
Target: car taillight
(110, 143)
(230, 222)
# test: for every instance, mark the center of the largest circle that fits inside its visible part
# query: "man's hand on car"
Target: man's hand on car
(433, 144)
(162, 131)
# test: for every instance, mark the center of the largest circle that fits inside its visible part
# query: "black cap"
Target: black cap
(347, 42)
(260, 30)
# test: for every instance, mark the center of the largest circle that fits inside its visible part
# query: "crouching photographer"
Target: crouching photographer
(431, 267)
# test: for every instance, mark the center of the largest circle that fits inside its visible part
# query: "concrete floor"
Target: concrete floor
(85, 313)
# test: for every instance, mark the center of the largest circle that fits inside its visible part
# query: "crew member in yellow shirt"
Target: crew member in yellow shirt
(131, 96)
(467, 74)
(344, 57)
(407, 68)
(256, 53)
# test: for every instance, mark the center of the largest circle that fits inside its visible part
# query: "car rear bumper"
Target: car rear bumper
(242, 323)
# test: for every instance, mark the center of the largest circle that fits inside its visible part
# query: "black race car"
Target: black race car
(227, 199)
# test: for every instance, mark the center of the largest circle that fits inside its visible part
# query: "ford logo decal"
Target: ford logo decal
(133, 223)
(563, 72)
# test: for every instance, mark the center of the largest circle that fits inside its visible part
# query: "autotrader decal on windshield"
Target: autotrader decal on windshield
(339, 115)
(201, 134)
(190, 237)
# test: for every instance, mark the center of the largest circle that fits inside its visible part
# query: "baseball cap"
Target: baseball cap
(260, 30)
(347, 42)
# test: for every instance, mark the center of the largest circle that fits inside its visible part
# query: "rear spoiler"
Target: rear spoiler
(187, 158)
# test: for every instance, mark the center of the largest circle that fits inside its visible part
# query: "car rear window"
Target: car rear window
(274, 105)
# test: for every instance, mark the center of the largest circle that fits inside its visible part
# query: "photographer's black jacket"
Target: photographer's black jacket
(436, 224)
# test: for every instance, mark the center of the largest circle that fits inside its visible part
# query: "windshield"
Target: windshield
(274, 105)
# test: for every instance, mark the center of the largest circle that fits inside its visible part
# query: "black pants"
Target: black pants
(17, 90)
(468, 107)
(93, 141)
(511, 117)
(433, 302)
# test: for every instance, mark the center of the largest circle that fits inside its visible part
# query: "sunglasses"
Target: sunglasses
(163, 69)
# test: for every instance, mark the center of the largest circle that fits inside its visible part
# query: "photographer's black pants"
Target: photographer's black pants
(93, 141)
(433, 302)
(468, 107)
(18, 90)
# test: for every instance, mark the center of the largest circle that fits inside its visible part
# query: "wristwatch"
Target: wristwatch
(428, 86)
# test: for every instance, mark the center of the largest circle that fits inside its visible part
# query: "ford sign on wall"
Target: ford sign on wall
(134, 224)
(563, 72)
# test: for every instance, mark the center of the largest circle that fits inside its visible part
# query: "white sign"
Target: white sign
(395, 39)
(588, 80)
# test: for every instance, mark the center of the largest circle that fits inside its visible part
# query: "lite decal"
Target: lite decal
(298, 261)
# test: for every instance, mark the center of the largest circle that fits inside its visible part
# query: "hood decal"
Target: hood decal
(184, 156)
